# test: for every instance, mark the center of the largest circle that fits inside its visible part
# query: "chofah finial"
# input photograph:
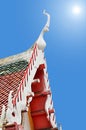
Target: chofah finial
(40, 41)
(48, 20)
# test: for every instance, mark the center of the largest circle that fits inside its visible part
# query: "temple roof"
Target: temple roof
(12, 70)
(24, 77)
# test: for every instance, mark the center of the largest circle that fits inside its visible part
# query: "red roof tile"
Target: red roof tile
(10, 81)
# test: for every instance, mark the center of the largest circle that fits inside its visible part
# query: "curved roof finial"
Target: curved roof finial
(40, 41)
(46, 27)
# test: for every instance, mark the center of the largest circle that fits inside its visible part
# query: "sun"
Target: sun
(76, 10)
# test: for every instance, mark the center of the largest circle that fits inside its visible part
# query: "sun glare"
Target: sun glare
(76, 10)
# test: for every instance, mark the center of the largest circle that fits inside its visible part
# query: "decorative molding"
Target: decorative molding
(2, 117)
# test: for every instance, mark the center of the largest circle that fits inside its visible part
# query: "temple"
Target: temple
(25, 94)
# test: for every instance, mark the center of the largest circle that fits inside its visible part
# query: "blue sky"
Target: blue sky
(20, 24)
